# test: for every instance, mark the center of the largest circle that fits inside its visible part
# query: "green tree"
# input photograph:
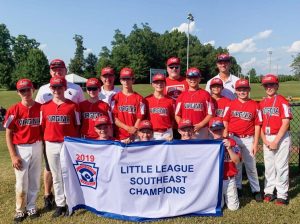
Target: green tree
(104, 60)
(90, 66)
(77, 63)
(6, 58)
(296, 66)
(252, 75)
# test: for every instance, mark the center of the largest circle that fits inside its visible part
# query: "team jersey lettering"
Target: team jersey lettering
(159, 110)
(127, 108)
(195, 106)
(59, 118)
(91, 115)
(29, 121)
(242, 114)
(271, 110)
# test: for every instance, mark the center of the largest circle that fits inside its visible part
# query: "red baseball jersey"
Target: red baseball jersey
(59, 121)
(273, 110)
(160, 111)
(127, 109)
(89, 112)
(175, 87)
(230, 169)
(242, 117)
(24, 123)
(194, 105)
(221, 105)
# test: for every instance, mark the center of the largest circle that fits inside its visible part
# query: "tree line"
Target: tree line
(142, 49)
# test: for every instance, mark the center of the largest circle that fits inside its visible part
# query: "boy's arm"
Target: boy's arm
(256, 138)
(283, 129)
(15, 158)
(130, 129)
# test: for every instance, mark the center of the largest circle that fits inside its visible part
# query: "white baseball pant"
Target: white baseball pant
(53, 150)
(28, 178)
(277, 166)
(230, 195)
(163, 135)
(248, 159)
(201, 134)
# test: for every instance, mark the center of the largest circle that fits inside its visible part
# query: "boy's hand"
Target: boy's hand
(132, 130)
(17, 162)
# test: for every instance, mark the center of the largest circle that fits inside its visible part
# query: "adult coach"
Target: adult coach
(108, 89)
(229, 80)
(74, 93)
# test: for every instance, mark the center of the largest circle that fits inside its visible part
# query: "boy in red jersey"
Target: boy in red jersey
(103, 128)
(128, 108)
(186, 129)
(231, 158)
(220, 102)
(24, 142)
(243, 120)
(195, 104)
(92, 108)
(59, 118)
(160, 109)
(145, 131)
(276, 114)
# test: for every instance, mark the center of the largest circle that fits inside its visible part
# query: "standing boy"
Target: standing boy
(24, 142)
(277, 141)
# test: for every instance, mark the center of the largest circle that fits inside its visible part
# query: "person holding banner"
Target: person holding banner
(103, 128)
(92, 108)
(186, 129)
(24, 142)
(243, 120)
(231, 158)
(59, 118)
(160, 109)
(276, 113)
(195, 104)
(145, 131)
(128, 108)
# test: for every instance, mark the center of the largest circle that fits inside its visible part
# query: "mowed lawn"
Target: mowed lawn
(250, 211)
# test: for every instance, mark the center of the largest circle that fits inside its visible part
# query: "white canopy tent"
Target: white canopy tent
(75, 78)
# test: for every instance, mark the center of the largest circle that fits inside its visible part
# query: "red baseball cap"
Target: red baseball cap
(193, 72)
(173, 61)
(101, 120)
(24, 84)
(216, 81)
(126, 73)
(58, 81)
(57, 63)
(184, 123)
(223, 57)
(107, 71)
(93, 82)
(216, 123)
(269, 79)
(242, 83)
(145, 124)
(158, 77)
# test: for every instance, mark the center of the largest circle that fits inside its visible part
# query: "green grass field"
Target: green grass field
(250, 211)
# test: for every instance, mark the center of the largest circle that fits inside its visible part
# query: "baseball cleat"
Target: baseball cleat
(19, 217)
(280, 201)
(269, 197)
(257, 196)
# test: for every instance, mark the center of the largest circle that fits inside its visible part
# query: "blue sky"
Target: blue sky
(249, 29)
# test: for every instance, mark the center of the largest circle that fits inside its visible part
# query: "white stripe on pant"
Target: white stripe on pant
(53, 150)
(28, 178)
(277, 166)
(248, 159)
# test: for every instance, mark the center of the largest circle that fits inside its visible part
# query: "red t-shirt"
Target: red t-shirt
(160, 111)
(24, 122)
(221, 105)
(127, 109)
(59, 121)
(194, 105)
(89, 112)
(242, 117)
(230, 169)
(273, 110)
(175, 87)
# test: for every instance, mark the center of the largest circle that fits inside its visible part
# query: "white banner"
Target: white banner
(143, 180)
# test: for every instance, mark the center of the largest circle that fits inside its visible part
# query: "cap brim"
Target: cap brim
(216, 128)
(186, 126)
(226, 60)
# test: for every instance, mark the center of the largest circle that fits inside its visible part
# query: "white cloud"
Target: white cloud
(211, 42)
(87, 51)
(246, 66)
(43, 46)
(249, 45)
(295, 47)
(183, 27)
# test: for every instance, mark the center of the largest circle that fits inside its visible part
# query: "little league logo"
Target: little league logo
(87, 174)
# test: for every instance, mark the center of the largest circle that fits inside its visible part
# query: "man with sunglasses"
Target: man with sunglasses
(74, 93)
(229, 80)
(195, 104)
(92, 108)
(128, 108)
(276, 114)
(24, 142)
(242, 121)
(108, 89)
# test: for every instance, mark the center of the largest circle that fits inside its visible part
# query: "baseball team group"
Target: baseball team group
(177, 109)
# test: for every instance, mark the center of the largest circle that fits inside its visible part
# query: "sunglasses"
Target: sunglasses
(193, 75)
(56, 87)
(92, 88)
(174, 66)
(269, 85)
(24, 90)
(126, 79)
